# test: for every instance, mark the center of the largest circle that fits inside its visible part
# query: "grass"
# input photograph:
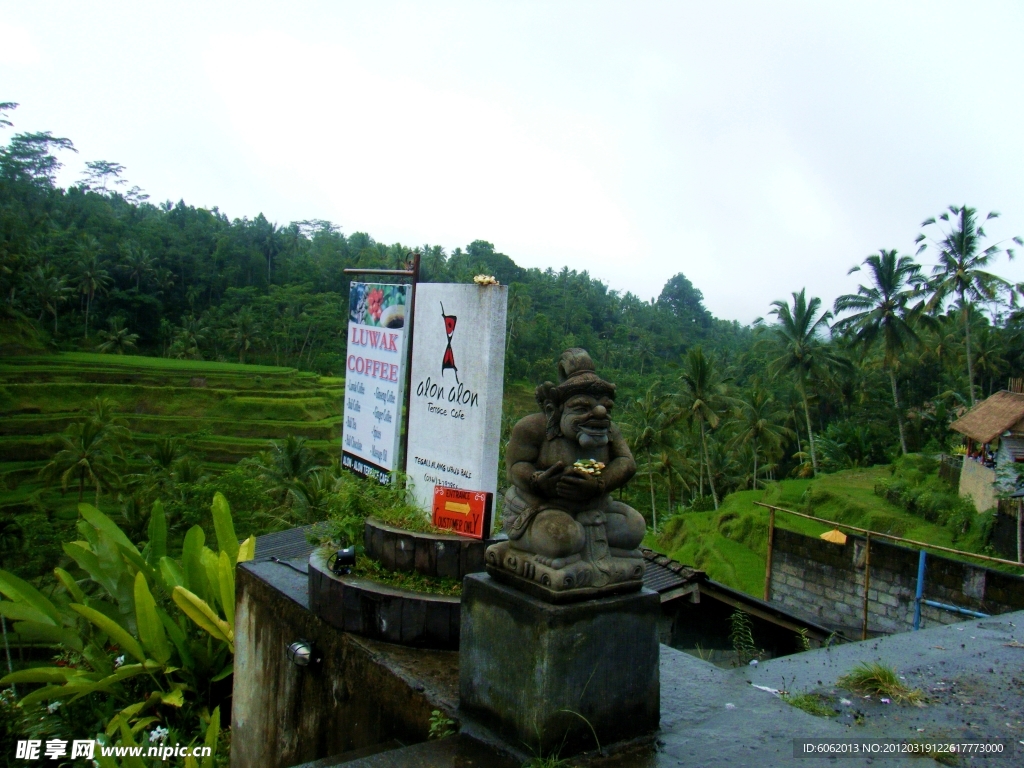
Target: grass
(874, 679)
(811, 703)
(114, 362)
(730, 544)
(414, 582)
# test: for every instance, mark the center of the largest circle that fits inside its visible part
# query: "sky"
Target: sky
(758, 148)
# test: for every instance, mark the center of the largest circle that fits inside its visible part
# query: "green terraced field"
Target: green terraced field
(231, 411)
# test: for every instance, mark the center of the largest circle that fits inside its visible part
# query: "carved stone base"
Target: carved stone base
(553, 678)
(565, 581)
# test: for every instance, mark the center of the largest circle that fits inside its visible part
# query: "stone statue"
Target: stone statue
(568, 539)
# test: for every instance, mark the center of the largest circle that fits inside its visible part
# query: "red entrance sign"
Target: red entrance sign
(467, 513)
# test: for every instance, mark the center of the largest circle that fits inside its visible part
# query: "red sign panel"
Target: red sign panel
(467, 513)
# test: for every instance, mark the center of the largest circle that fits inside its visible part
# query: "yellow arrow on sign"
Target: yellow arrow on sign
(456, 506)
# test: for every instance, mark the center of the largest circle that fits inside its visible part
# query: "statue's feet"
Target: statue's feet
(625, 569)
(616, 552)
(557, 562)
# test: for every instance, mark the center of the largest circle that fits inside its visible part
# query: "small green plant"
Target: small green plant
(880, 680)
(811, 703)
(805, 642)
(441, 726)
(741, 635)
(552, 761)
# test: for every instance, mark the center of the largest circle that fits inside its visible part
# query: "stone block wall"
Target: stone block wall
(825, 581)
(978, 482)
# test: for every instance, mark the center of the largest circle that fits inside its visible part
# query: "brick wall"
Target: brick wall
(825, 581)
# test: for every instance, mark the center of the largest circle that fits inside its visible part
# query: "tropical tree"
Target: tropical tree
(960, 270)
(118, 339)
(91, 454)
(647, 429)
(51, 291)
(92, 277)
(136, 263)
(760, 425)
(882, 313)
(245, 332)
(703, 400)
(804, 353)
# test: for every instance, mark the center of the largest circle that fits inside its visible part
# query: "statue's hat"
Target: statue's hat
(576, 375)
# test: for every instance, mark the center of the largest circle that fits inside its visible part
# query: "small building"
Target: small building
(994, 429)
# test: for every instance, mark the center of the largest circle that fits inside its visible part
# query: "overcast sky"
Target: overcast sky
(756, 147)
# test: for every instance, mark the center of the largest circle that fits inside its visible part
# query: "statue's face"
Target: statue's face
(585, 420)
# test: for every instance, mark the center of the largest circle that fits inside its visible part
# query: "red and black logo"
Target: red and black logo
(448, 361)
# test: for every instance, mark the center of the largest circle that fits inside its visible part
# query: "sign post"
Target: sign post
(455, 390)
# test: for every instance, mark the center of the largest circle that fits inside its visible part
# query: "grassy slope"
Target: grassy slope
(730, 544)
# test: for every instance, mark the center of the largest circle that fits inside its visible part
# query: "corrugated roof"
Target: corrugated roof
(990, 418)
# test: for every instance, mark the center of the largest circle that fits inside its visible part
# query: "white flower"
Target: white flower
(119, 661)
(158, 735)
(53, 706)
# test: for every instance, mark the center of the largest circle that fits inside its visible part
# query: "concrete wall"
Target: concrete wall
(363, 693)
(826, 582)
(977, 482)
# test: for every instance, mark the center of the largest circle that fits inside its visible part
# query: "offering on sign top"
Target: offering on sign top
(374, 375)
(467, 513)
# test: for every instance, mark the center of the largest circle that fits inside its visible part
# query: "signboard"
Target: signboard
(374, 378)
(458, 365)
(467, 513)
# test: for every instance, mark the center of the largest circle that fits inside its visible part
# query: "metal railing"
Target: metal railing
(868, 534)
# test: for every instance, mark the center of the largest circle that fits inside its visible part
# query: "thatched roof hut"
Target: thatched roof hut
(1001, 413)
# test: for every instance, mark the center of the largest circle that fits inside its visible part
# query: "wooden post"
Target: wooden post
(403, 456)
(867, 585)
(768, 558)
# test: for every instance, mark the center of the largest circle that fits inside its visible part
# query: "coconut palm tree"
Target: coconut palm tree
(51, 291)
(882, 313)
(91, 454)
(960, 270)
(761, 425)
(118, 339)
(245, 333)
(92, 277)
(645, 426)
(804, 353)
(703, 401)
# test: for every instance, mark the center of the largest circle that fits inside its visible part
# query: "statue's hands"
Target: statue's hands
(546, 483)
(578, 486)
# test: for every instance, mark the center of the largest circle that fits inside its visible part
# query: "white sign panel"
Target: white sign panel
(374, 378)
(458, 362)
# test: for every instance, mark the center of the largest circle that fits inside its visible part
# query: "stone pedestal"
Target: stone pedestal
(552, 677)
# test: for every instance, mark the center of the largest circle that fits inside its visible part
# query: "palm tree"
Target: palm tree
(51, 291)
(118, 339)
(646, 428)
(92, 277)
(703, 400)
(804, 354)
(960, 268)
(245, 333)
(91, 454)
(136, 263)
(760, 424)
(882, 313)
